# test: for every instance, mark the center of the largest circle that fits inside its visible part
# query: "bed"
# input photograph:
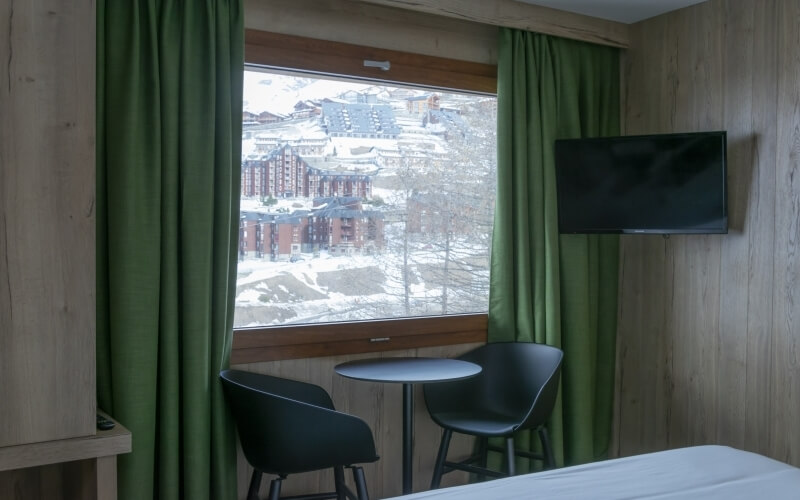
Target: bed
(707, 472)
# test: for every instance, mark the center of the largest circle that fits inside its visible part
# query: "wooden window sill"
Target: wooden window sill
(252, 345)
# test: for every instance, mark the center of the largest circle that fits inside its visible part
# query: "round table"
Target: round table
(408, 371)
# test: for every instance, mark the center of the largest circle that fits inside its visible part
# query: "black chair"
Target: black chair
(516, 390)
(287, 427)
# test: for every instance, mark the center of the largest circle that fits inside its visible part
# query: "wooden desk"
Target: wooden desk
(80, 468)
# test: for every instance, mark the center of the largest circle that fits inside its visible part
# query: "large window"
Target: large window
(362, 200)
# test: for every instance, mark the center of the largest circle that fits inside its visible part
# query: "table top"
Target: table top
(408, 370)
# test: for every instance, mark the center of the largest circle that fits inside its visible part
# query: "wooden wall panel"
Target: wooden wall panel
(91, 479)
(376, 26)
(735, 254)
(47, 276)
(785, 391)
(519, 15)
(709, 336)
(761, 229)
(456, 29)
(381, 406)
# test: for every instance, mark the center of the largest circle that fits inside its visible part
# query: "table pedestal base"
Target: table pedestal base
(408, 433)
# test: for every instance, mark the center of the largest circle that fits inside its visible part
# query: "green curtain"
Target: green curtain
(545, 287)
(169, 111)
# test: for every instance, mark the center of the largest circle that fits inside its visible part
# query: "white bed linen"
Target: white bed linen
(700, 472)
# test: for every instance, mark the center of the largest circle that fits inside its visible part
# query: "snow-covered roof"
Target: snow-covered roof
(306, 128)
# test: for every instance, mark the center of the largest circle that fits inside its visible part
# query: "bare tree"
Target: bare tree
(456, 209)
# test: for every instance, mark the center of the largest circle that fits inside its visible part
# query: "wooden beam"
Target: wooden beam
(335, 58)
(375, 26)
(514, 14)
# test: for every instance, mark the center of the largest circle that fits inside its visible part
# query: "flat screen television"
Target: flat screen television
(649, 184)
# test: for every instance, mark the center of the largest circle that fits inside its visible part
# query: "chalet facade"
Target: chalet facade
(422, 104)
(249, 118)
(267, 117)
(261, 118)
(305, 109)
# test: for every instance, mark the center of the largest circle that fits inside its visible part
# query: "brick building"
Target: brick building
(289, 235)
(255, 234)
(342, 226)
(283, 173)
(273, 236)
(327, 183)
(338, 225)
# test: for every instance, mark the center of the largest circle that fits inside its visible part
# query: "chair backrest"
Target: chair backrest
(277, 386)
(286, 426)
(518, 379)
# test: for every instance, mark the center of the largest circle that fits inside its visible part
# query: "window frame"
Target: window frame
(283, 52)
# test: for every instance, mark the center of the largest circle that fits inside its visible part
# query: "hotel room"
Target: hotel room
(707, 337)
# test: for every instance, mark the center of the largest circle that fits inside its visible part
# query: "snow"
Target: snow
(248, 147)
(306, 270)
(290, 130)
(282, 205)
(278, 93)
(336, 306)
(248, 298)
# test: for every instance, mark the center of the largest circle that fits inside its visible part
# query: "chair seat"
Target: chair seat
(478, 422)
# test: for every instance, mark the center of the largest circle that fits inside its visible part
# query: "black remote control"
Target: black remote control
(104, 423)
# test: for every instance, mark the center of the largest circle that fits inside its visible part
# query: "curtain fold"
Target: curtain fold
(169, 107)
(545, 287)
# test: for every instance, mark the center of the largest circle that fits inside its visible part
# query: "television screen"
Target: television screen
(669, 183)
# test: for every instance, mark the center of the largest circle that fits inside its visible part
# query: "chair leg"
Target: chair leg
(361, 483)
(547, 448)
(338, 475)
(510, 455)
(483, 453)
(255, 484)
(438, 469)
(275, 489)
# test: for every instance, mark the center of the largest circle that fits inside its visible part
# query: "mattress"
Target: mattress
(700, 472)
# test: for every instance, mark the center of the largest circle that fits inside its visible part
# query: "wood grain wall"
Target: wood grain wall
(68, 481)
(709, 326)
(523, 16)
(457, 29)
(381, 407)
(47, 274)
(354, 22)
